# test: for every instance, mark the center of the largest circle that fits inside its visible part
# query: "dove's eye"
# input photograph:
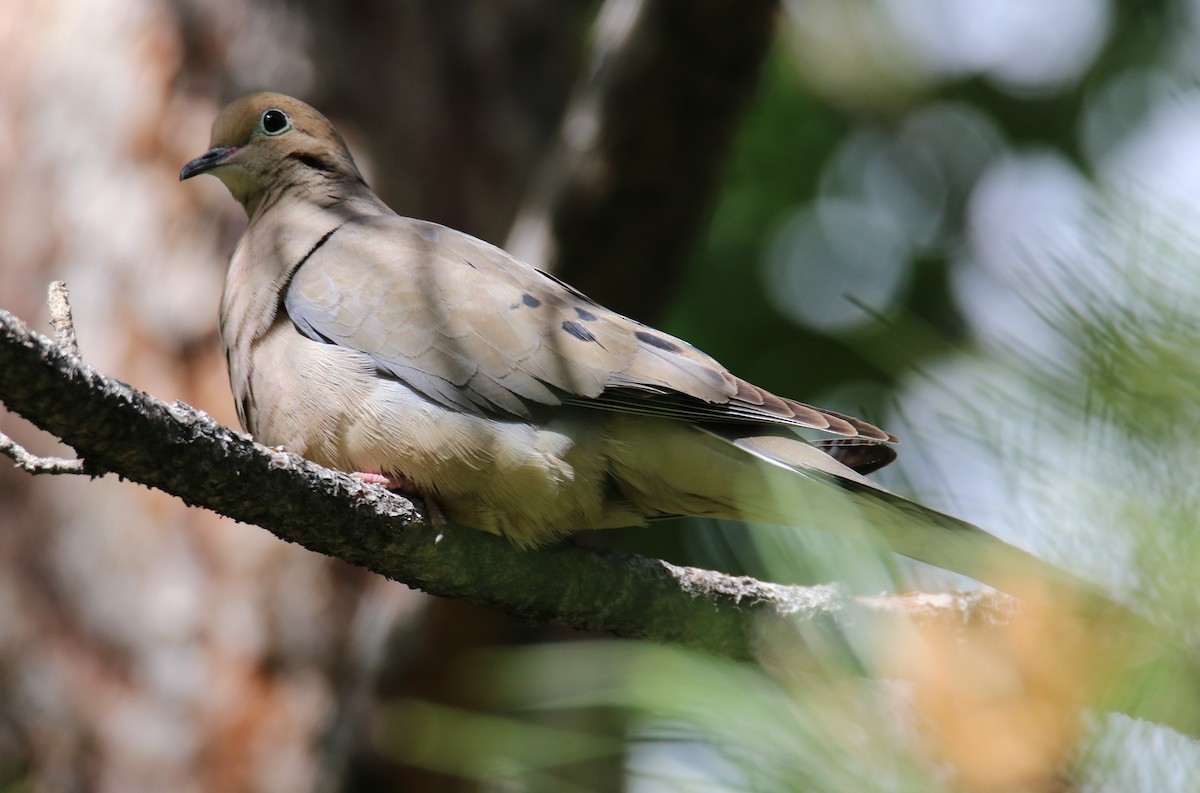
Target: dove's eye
(275, 121)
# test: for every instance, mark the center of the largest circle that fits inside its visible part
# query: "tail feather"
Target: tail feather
(887, 519)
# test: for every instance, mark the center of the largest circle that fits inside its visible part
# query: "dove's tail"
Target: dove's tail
(794, 489)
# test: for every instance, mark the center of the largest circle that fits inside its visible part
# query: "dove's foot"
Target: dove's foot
(402, 485)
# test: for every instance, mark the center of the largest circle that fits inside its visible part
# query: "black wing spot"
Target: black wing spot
(584, 314)
(578, 331)
(530, 301)
(657, 341)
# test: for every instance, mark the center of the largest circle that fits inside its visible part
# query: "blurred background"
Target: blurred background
(971, 221)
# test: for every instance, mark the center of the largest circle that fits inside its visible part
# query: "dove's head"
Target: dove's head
(264, 143)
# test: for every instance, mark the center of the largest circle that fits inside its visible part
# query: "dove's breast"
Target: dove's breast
(528, 481)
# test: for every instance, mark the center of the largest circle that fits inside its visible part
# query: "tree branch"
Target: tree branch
(182, 451)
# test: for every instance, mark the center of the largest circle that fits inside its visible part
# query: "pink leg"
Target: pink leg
(401, 484)
(376, 479)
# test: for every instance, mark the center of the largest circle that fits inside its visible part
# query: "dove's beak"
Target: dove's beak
(213, 158)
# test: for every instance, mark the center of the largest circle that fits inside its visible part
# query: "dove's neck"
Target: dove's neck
(338, 190)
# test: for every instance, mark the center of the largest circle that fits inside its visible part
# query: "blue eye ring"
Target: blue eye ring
(274, 121)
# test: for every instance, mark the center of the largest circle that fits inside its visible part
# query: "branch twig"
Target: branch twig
(59, 302)
(34, 464)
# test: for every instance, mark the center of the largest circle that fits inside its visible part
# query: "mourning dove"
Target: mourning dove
(432, 361)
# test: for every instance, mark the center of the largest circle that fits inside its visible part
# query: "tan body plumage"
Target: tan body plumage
(369, 342)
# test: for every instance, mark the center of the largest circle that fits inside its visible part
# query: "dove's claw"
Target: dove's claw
(401, 484)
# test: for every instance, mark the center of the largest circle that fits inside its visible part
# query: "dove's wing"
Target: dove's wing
(474, 329)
